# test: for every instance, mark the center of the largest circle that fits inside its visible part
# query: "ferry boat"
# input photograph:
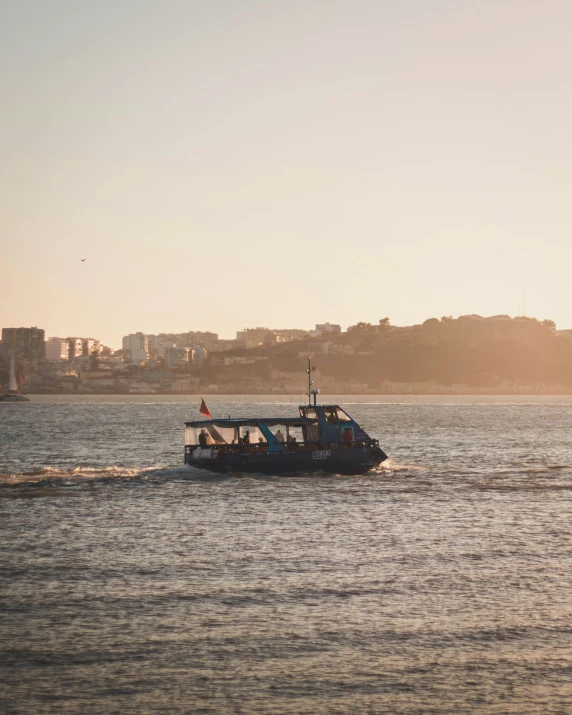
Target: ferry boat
(323, 437)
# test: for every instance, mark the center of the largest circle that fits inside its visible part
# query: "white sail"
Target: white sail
(13, 385)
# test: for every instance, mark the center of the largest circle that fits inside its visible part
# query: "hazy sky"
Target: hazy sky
(233, 164)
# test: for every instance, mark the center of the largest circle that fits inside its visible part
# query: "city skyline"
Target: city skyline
(83, 335)
(225, 165)
(495, 354)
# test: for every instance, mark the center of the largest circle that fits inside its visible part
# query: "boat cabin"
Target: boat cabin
(318, 427)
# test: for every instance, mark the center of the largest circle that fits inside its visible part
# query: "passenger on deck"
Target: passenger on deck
(246, 438)
(331, 418)
(347, 436)
(279, 436)
(203, 438)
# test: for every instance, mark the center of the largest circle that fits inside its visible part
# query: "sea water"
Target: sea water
(439, 583)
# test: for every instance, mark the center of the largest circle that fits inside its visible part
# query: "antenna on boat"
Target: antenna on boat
(310, 370)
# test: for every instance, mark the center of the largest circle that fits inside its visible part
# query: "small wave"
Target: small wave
(528, 468)
(533, 486)
(390, 466)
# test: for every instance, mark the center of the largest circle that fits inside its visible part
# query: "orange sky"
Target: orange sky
(227, 164)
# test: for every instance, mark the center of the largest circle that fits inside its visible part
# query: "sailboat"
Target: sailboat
(13, 394)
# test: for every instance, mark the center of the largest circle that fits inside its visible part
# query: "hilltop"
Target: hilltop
(477, 353)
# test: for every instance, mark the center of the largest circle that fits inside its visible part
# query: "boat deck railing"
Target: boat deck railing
(262, 447)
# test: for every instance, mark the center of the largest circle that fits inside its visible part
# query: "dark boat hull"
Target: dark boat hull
(353, 460)
(14, 397)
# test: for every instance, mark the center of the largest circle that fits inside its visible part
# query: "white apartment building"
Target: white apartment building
(177, 357)
(57, 349)
(91, 345)
(138, 345)
(82, 347)
(75, 348)
(199, 356)
(223, 345)
(253, 337)
(194, 338)
(325, 329)
(159, 344)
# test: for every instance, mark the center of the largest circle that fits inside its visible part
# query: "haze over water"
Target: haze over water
(438, 584)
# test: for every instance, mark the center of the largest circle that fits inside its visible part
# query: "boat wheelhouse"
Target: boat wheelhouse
(323, 437)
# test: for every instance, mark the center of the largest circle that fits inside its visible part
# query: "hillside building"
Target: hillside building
(29, 344)
(137, 346)
(75, 348)
(158, 344)
(255, 337)
(177, 357)
(57, 349)
(194, 338)
(323, 329)
(82, 347)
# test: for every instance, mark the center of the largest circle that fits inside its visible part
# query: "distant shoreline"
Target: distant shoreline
(559, 390)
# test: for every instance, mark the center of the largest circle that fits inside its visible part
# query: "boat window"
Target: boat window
(342, 416)
(191, 436)
(215, 434)
(312, 433)
(221, 434)
(295, 434)
(280, 432)
(330, 413)
(311, 412)
(250, 434)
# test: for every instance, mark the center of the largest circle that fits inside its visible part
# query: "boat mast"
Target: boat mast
(310, 381)
(12, 384)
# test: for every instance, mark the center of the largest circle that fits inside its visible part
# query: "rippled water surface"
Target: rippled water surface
(440, 583)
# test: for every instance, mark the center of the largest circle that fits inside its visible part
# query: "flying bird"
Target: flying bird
(83, 259)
